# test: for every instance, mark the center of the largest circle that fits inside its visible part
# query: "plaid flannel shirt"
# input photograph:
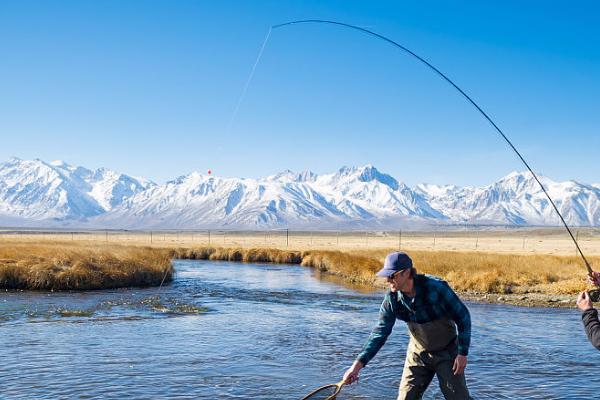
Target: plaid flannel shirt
(434, 299)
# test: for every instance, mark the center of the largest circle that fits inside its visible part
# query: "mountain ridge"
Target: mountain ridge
(58, 194)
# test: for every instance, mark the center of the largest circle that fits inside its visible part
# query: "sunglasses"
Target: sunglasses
(392, 276)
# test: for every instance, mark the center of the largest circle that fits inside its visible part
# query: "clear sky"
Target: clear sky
(149, 87)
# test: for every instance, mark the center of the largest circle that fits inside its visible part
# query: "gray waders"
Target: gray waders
(431, 351)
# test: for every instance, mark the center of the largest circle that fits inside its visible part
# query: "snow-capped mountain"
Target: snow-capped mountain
(35, 192)
(517, 199)
(356, 196)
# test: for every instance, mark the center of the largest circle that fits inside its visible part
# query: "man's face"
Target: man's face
(399, 280)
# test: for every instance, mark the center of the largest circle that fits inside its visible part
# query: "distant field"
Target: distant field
(518, 241)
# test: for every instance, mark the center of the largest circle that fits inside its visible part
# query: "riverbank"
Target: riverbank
(524, 280)
(88, 266)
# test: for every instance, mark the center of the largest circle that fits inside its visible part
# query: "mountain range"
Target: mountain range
(56, 194)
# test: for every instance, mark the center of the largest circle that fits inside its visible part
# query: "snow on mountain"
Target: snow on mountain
(197, 200)
(348, 196)
(39, 192)
(290, 176)
(517, 199)
(364, 192)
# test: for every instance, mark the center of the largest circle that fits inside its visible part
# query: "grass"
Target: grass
(67, 266)
(503, 273)
(473, 272)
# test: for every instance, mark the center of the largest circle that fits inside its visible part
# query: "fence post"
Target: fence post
(150, 236)
(434, 240)
(209, 237)
(399, 240)
(476, 239)
(287, 237)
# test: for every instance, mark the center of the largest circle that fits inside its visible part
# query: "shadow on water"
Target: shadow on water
(230, 331)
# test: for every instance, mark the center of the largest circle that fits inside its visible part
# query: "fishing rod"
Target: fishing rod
(448, 80)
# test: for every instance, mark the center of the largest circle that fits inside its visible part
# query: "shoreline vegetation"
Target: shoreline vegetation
(67, 266)
(528, 280)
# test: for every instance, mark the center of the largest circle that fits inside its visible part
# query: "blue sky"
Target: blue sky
(149, 87)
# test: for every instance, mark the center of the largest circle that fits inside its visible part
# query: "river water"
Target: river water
(258, 331)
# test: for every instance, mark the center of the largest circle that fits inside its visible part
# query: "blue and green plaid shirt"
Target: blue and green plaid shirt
(434, 299)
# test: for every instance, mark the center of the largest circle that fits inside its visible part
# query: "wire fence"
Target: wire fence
(517, 241)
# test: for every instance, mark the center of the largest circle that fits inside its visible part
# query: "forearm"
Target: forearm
(374, 343)
(380, 333)
(592, 326)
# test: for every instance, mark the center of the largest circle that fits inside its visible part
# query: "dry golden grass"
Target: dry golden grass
(356, 268)
(237, 254)
(466, 272)
(68, 266)
(502, 273)
(48, 264)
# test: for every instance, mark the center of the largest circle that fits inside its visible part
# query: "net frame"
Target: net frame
(320, 390)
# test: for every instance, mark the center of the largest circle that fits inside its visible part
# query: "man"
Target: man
(590, 314)
(433, 312)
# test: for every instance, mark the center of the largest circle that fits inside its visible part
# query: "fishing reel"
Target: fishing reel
(594, 295)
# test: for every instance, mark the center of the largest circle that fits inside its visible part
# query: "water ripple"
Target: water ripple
(231, 331)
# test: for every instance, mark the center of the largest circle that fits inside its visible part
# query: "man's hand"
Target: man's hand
(594, 278)
(351, 374)
(584, 302)
(460, 363)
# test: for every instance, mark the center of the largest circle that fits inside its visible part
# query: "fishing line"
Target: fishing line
(448, 80)
(245, 89)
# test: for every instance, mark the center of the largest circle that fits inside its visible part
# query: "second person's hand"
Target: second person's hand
(594, 278)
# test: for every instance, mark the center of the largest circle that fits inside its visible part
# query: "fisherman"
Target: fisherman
(433, 312)
(590, 314)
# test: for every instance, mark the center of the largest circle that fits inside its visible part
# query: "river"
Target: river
(259, 331)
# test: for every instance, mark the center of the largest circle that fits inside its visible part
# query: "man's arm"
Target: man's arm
(377, 339)
(589, 318)
(380, 333)
(459, 313)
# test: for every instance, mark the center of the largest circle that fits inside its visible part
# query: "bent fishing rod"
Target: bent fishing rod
(448, 80)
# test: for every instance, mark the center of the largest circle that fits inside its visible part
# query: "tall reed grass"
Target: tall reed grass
(67, 266)
(93, 265)
(466, 271)
(238, 254)
(500, 273)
